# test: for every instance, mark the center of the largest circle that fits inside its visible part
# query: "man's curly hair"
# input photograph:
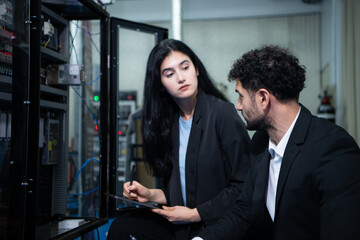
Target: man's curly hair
(272, 68)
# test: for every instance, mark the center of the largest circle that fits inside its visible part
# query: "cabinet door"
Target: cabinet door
(15, 101)
(131, 44)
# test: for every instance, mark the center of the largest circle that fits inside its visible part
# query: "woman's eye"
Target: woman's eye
(185, 67)
(169, 75)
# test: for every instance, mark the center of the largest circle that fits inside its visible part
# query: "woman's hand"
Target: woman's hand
(179, 214)
(139, 193)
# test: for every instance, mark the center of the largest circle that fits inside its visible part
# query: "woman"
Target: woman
(194, 139)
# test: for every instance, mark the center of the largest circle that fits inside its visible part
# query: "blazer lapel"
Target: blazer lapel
(290, 154)
(191, 165)
(176, 198)
(260, 187)
(260, 157)
(292, 150)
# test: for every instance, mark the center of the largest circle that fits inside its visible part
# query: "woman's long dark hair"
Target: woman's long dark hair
(159, 109)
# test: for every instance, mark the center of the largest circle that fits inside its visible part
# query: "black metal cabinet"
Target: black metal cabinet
(60, 107)
(60, 80)
(34, 119)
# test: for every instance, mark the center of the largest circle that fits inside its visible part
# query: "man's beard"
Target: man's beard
(259, 123)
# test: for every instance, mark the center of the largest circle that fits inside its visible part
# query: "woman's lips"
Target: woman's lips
(184, 87)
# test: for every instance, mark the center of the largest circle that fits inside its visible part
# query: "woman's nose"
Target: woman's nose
(181, 78)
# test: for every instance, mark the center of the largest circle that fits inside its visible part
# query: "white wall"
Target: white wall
(331, 52)
(218, 43)
(160, 10)
(221, 31)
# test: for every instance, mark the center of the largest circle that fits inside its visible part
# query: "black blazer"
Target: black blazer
(318, 192)
(217, 159)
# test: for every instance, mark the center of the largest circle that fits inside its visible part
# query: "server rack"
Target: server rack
(34, 117)
(58, 223)
(35, 113)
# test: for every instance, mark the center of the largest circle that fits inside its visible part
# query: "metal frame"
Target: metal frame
(28, 137)
(162, 33)
(24, 102)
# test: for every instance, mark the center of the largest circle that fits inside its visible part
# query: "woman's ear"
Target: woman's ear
(197, 72)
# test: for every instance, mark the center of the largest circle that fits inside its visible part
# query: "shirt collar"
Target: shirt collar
(280, 148)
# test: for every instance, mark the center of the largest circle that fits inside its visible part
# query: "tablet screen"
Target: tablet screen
(144, 204)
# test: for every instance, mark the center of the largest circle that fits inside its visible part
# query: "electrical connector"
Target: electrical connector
(49, 29)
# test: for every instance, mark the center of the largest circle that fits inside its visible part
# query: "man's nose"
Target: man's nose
(239, 106)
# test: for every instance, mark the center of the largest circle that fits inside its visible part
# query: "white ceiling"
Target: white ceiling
(160, 10)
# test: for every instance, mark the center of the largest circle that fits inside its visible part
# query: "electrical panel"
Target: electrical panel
(54, 35)
(35, 81)
(6, 12)
(53, 123)
(49, 140)
(127, 106)
(49, 35)
(5, 125)
(6, 52)
(6, 37)
(5, 140)
(64, 74)
(55, 70)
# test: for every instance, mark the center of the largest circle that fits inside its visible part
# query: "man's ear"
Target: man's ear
(263, 96)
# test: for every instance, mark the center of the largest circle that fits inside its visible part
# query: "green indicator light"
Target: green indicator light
(96, 98)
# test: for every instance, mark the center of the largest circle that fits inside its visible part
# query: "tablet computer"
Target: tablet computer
(143, 204)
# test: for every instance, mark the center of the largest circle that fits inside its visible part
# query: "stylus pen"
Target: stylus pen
(132, 174)
(132, 237)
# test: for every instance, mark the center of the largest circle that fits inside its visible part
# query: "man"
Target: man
(304, 179)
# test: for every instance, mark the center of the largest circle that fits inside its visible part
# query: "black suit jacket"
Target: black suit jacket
(318, 192)
(217, 160)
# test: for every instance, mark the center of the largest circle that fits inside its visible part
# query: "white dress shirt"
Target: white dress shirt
(277, 153)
